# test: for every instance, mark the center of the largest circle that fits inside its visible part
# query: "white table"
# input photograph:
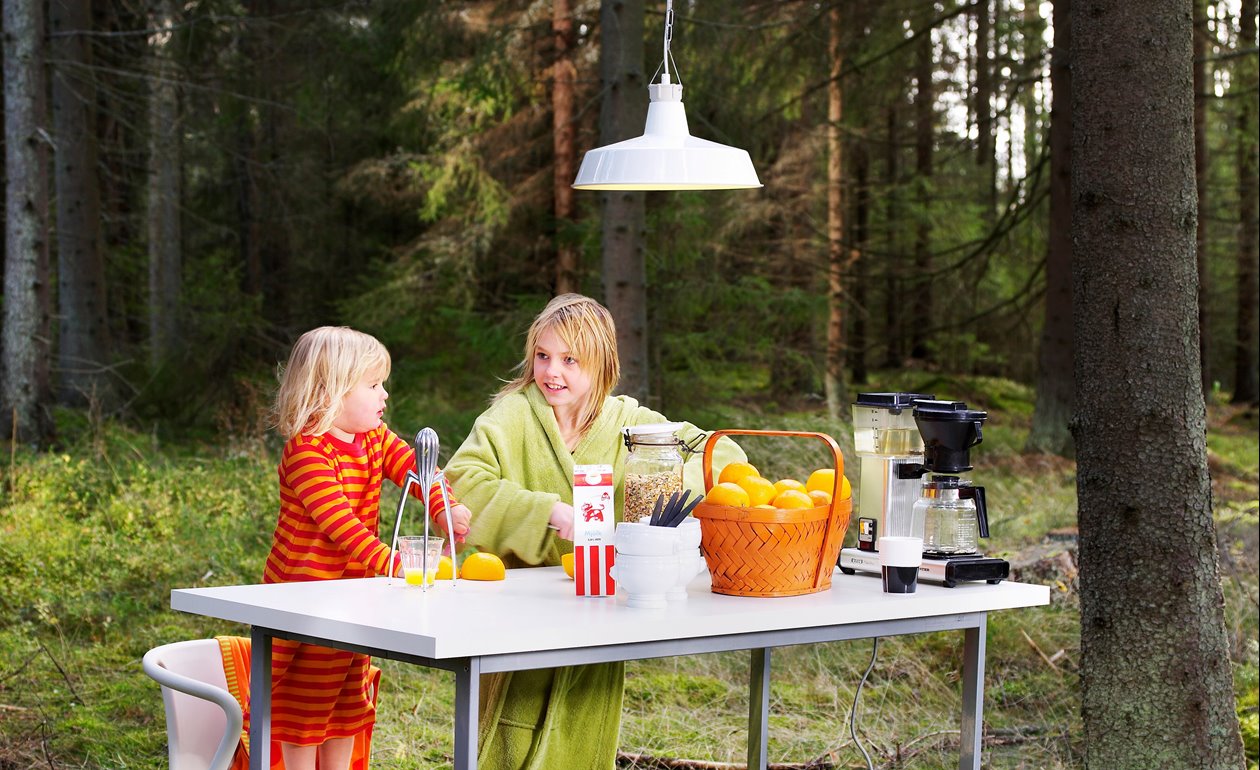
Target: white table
(533, 620)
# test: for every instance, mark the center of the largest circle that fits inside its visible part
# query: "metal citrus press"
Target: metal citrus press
(425, 475)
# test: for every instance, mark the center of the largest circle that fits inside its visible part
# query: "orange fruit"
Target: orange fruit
(759, 490)
(737, 470)
(446, 569)
(820, 497)
(483, 566)
(785, 484)
(566, 561)
(793, 498)
(846, 491)
(727, 493)
(823, 479)
(765, 505)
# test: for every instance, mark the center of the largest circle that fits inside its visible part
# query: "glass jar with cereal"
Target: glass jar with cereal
(654, 467)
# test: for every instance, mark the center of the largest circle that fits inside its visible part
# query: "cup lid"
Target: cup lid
(652, 428)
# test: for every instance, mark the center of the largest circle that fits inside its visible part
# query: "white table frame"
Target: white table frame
(362, 616)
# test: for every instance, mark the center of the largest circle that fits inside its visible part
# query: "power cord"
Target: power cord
(853, 711)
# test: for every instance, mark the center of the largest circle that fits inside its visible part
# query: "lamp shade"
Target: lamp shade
(667, 156)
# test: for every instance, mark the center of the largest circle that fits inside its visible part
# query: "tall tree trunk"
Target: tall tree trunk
(837, 254)
(26, 392)
(1156, 683)
(894, 336)
(83, 339)
(1051, 423)
(564, 78)
(924, 118)
(1200, 186)
(163, 214)
(860, 159)
(622, 113)
(1245, 372)
(984, 105)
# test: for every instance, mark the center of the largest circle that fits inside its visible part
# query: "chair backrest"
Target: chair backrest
(199, 709)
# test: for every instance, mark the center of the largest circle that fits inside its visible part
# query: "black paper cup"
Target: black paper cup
(899, 560)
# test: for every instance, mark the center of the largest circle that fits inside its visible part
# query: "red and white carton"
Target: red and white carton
(594, 517)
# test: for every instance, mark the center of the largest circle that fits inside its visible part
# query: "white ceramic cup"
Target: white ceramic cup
(645, 580)
(899, 560)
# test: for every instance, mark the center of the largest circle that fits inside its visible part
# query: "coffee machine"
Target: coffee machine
(890, 456)
(900, 438)
(951, 513)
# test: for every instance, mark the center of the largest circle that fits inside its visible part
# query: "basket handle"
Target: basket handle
(835, 491)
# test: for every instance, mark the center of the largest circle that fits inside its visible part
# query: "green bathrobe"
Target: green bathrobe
(509, 472)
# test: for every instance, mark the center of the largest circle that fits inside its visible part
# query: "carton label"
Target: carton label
(594, 517)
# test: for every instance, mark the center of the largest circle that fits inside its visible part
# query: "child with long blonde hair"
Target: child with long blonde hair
(516, 470)
(329, 407)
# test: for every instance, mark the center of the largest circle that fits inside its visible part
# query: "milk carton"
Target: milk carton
(594, 516)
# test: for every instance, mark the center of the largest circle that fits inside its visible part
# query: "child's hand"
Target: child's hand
(561, 520)
(461, 519)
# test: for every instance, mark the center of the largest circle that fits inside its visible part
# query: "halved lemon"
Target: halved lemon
(566, 561)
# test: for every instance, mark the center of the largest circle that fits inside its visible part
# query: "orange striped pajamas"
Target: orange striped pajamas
(330, 494)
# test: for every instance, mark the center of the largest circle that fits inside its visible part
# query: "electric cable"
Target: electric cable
(853, 712)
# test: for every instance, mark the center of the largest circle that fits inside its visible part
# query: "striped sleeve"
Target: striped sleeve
(311, 476)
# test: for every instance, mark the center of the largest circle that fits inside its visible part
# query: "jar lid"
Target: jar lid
(653, 430)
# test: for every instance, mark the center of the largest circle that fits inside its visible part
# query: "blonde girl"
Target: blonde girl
(330, 407)
(516, 470)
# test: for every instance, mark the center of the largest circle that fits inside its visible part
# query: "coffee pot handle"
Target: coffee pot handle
(982, 510)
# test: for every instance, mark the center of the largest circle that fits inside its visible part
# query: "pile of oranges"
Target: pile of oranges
(741, 485)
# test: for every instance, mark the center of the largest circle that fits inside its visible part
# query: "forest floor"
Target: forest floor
(93, 537)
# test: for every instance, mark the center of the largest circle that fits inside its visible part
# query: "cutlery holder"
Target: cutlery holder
(772, 552)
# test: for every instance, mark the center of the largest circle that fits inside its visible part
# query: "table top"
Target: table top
(536, 609)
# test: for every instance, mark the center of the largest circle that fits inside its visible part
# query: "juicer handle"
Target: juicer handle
(979, 438)
(982, 509)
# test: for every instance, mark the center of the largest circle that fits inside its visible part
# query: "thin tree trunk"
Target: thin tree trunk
(893, 329)
(564, 78)
(1156, 682)
(1245, 372)
(984, 104)
(1051, 423)
(26, 392)
(83, 339)
(621, 116)
(924, 116)
(861, 264)
(163, 190)
(1200, 186)
(837, 254)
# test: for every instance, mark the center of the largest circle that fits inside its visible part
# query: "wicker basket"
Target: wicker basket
(772, 552)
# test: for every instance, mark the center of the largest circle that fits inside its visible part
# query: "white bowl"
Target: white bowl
(639, 538)
(690, 564)
(645, 580)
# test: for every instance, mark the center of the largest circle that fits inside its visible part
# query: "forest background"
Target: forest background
(211, 179)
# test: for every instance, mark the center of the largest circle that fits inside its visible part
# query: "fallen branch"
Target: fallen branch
(7, 707)
(1028, 638)
(64, 675)
(648, 762)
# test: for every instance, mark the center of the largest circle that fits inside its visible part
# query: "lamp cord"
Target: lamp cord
(669, 33)
(853, 712)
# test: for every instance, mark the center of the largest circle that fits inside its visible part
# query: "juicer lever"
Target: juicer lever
(982, 510)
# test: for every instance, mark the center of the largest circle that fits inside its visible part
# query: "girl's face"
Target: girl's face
(362, 408)
(558, 374)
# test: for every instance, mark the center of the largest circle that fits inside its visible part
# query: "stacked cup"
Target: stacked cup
(690, 560)
(899, 560)
(646, 565)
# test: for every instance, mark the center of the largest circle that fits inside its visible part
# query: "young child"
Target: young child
(516, 470)
(329, 407)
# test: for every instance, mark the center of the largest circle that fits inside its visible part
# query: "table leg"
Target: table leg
(259, 700)
(973, 697)
(467, 695)
(758, 708)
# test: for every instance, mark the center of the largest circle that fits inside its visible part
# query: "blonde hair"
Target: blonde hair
(325, 364)
(587, 328)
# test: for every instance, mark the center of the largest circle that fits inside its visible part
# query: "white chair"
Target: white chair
(203, 720)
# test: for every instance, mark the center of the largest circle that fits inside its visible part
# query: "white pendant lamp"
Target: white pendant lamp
(667, 156)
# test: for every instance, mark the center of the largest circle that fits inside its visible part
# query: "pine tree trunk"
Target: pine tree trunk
(1200, 186)
(1245, 334)
(984, 105)
(1051, 424)
(861, 263)
(83, 339)
(564, 78)
(924, 118)
(837, 255)
(1156, 681)
(894, 338)
(24, 398)
(623, 111)
(163, 190)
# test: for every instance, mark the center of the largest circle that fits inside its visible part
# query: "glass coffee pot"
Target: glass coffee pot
(953, 516)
